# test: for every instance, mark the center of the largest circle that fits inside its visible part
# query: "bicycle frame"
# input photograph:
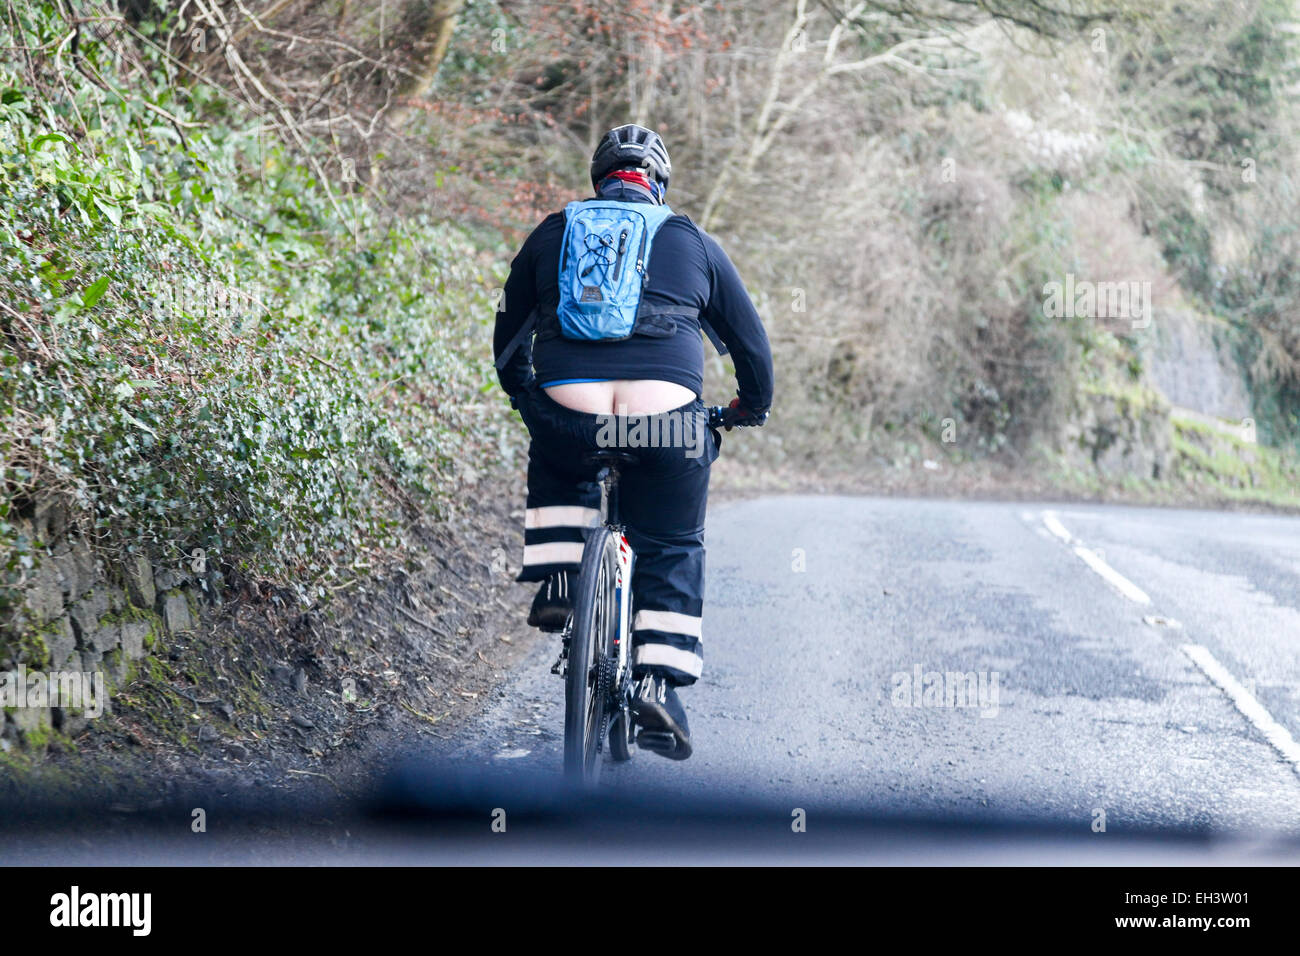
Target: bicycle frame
(604, 680)
(608, 479)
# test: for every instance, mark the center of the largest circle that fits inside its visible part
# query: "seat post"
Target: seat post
(609, 465)
(611, 494)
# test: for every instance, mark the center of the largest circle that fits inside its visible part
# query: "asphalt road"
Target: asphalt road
(1132, 666)
(827, 618)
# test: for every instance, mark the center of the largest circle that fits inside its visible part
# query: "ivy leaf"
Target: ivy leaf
(94, 292)
(111, 210)
(134, 157)
(44, 138)
(135, 421)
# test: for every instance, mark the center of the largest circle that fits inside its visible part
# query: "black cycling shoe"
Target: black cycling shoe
(662, 719)
(554, 602)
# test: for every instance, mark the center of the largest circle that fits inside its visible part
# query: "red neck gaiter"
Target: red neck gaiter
(631, 176)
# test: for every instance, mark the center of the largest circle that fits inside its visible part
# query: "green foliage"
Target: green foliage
(469, 65)
(1225, 104)
(204, 348)
(1221, 90)
(1219, 461)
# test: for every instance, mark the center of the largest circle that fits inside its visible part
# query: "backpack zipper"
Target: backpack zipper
(640, 256)
(622, 248)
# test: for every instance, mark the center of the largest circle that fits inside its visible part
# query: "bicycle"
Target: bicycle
(595, 655)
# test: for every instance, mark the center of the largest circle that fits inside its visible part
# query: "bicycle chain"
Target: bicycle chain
(605, 675)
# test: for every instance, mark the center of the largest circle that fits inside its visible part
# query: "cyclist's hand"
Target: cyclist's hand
(519, 398)
(739, 416)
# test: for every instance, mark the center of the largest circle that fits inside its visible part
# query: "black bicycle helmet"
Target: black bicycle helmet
(631, 146)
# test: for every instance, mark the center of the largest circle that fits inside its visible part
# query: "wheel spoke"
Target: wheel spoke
(590, 674)
(595, 705)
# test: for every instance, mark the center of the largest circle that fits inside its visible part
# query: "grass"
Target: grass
(1227, 466)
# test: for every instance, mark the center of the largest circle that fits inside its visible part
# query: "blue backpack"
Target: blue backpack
(603, 261)
(602, 266)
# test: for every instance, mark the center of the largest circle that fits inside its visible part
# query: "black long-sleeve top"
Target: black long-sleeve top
(687, 267)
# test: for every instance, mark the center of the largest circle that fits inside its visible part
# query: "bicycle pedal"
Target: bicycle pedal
(658, 740)
(561, 663)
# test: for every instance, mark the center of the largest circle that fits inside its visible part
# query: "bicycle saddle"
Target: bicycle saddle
(598, 459)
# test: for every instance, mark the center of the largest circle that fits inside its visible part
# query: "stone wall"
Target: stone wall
(1189, 359)
(1120, 433)
(82, 614)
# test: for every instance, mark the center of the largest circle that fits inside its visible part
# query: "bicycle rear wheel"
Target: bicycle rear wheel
(591, 657)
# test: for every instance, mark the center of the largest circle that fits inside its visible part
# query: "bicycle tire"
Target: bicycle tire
(586, 694)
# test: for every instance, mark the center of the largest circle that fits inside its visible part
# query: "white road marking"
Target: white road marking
(1277, 735)
(1157, 620)
(1053, 525)
(1117, 580)
(1245, 701)
(1094, 560)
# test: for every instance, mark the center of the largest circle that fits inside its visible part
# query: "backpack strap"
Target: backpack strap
(645, 311)
(713, 337)
(519, 339)
(650, 311)
(686, 311)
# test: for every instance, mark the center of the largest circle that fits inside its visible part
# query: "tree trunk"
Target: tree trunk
(438, 18)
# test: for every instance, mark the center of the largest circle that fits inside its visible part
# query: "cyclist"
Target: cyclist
(567, 390)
